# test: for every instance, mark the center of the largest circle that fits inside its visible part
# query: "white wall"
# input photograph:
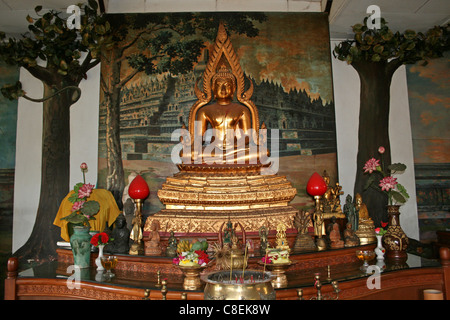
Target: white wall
(84, 142)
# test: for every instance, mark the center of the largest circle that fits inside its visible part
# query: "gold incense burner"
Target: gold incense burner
(239, 285)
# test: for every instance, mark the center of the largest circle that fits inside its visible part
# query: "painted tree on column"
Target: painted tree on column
(52, 52)
(376, 54)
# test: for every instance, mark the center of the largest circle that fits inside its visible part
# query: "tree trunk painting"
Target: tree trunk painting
(376, 53)
(373, 131)
(54, 174)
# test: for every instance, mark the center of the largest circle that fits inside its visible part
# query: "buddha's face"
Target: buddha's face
(223, 89)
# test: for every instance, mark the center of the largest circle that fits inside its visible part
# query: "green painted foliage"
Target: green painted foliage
(383, 44)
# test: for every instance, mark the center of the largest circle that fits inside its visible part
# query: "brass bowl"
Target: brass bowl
(257, 285)
(278, 270)
(366, 256)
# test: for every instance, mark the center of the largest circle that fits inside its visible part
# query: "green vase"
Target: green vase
(80, 242)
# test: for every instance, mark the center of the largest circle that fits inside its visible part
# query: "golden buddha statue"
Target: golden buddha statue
(366, 226)
(224, 178)
(331, 203)
(229, 120)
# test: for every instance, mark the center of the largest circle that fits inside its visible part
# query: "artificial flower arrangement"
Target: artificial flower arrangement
(396, 192)
(192, 258)
(381, 231)
(99, 239)
(276, 256)
(82, 210)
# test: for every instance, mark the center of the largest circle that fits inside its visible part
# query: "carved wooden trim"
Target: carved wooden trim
(57, 288)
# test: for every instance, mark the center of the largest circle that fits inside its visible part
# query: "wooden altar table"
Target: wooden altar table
(136, 278)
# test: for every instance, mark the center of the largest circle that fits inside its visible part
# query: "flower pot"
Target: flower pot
(81, 246)
(395, 240)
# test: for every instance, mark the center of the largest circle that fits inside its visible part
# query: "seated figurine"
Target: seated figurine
(335, 237)
(171, 250)
(366, 226)
(350, 237)
(120, 237)
(152, 247)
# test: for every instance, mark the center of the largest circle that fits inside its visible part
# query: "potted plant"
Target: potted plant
(82, 212)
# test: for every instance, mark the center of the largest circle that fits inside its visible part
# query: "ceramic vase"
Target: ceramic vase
(81, 246)
(98, 260)
(379, 250)
(395, 240)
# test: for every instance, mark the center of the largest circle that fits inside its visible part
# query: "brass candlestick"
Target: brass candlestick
(164, 289)
(158, 279)
(318, 286)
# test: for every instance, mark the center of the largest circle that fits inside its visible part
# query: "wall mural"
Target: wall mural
(429, 103)
(288, 61)
(8, 126)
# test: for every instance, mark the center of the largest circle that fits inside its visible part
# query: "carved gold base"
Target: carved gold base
(193, 221)
(366, 233)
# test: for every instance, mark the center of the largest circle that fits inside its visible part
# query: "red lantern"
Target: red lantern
(138, 188)
(316, 185)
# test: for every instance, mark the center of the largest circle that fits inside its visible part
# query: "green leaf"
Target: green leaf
(397, 167)
(409, 34)
(376, 57)
(37, 9)
(378, 48)
(397, 197)
(90, 208)
(77, 187)
(357, 28)
(369, 181)
(402, 190)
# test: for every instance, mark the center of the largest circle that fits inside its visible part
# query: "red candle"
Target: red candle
(138, 188)
(316, 185)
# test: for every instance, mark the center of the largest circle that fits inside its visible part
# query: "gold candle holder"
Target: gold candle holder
(137, 247)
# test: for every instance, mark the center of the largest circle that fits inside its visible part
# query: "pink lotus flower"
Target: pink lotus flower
(381, 150)
(85, 191)
(388, 183)
(83, 166)
(77, 206)
(371, 165)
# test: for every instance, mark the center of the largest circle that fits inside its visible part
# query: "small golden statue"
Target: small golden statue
(281, 240)
(331, 203)
(137, 247)
(319, 230)
(263, 240)
(231, 246)
(366, 226)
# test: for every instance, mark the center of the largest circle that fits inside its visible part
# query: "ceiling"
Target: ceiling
(418, 15)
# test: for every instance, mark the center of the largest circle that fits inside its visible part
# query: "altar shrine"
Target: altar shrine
(226, 209)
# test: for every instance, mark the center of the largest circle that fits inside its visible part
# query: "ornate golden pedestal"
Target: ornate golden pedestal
(200, 200)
